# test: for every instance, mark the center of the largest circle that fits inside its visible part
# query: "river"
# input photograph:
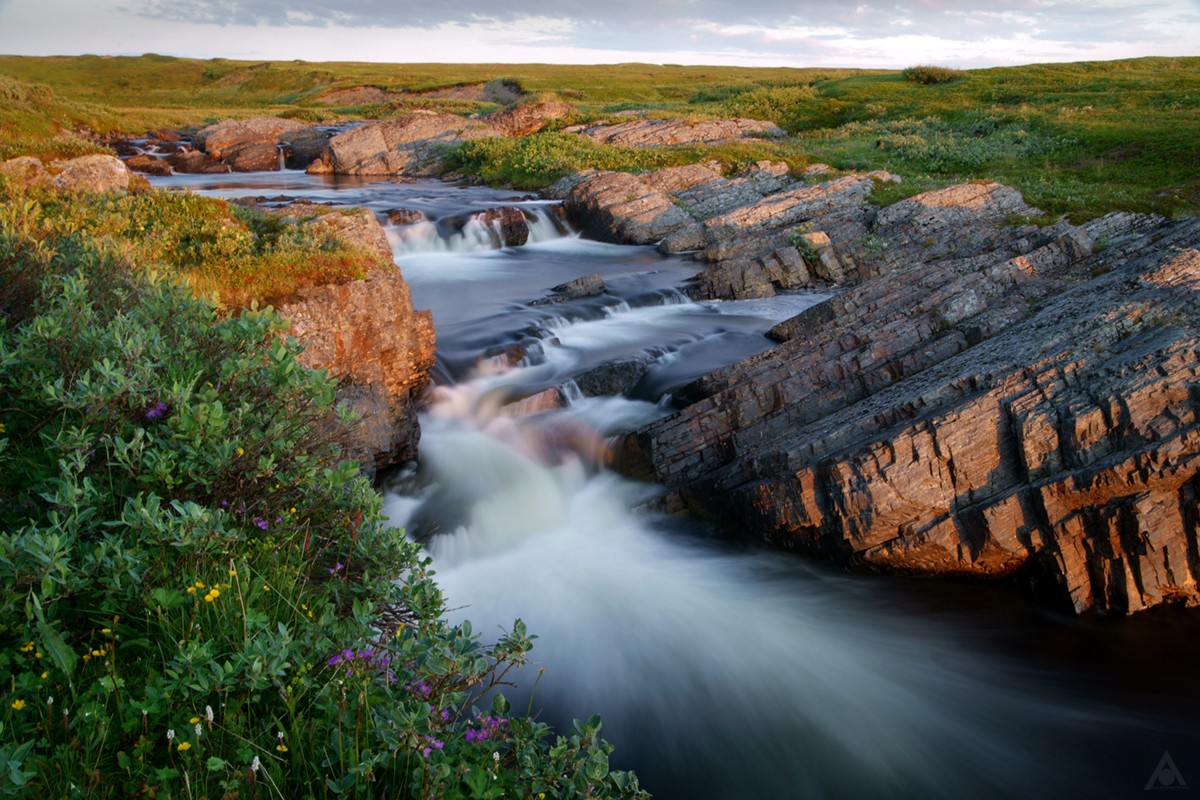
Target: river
(723, 669)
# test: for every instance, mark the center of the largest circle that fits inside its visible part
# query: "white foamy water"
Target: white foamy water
(720, 674)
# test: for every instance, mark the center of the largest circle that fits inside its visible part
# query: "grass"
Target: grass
(1080, 139)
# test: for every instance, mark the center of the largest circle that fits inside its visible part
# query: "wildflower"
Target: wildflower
(212, 595)
(281, 747)
(208, 713)
(27, 647)
(241, 452)
(233, 573)
(170, 734)
(1, 427)
(106, 631)
(45, 674)
(184, 746)
(199, 584)
(266, 588)
(260, 522)
(292, 510)
(199, 732)
(254, 765)
(18, 705)
(38, 654)
(431, 744)
(191, 590)
(193, 720)
(157, 411)
(335, 568)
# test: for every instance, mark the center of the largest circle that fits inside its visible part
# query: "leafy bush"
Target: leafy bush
(203, 600)
(774, 104)
(928, 75)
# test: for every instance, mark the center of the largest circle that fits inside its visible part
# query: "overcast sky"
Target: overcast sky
(800, 33)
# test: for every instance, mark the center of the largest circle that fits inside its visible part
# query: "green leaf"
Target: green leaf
(60, 652)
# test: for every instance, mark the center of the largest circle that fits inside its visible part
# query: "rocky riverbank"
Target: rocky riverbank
(985, 397)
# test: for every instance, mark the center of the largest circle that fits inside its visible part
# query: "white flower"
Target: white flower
(171, 735)
(208, 713)
(280, 735)
(254, 765)
(197, 730)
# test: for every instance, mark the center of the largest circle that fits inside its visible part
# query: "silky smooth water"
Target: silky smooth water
(723, 669)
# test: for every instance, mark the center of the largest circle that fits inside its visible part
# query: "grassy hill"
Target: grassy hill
(1081, 138)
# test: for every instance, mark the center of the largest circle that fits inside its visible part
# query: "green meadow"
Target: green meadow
(1080, 139)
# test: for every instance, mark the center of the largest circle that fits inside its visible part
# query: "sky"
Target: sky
(792, 33)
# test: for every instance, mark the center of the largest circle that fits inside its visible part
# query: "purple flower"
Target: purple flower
(158, 410)
(260, 522)
(338, 566)
(334, 660)
(431, 744)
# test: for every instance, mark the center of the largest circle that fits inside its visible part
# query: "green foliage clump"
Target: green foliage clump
(203, 598)
(928, 74)
(774, 104)
(232, 254)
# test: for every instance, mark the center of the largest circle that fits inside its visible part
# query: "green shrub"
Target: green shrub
(203, 599)
(928, 75)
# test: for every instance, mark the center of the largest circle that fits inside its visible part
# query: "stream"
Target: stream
(721, 668)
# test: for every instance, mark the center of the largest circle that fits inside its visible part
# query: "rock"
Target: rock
(302, 146)
(405, 216)
(529, 118)
(367, 336)
(232, 134)
(507, 226)
(587, 286)
(148, 165)
(252, 157)
(612, 378)
(194, 161)
(92, 174)
(622, 208)
(25, 170)
(1026, 409)
(664, 132)
(355, 96)
(408, 144)
(356, 226)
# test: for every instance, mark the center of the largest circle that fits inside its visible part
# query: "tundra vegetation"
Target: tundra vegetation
(204, 597)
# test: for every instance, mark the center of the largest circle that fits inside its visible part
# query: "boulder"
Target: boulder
(194, 161)
(356, 226)
(1024, 407)
(25, 170)
(233, 134)
(92, 174)
(302, 146)
(368, 337)
(409, 144)
(529, 118)
(148, 165)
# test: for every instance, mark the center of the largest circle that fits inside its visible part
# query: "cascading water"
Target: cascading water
(722, 670)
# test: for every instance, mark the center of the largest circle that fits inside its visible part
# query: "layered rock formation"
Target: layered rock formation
(367, 336)
(988, 398)
(663, 132)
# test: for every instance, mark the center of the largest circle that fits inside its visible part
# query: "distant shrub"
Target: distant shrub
(774, 104)
(927, 74)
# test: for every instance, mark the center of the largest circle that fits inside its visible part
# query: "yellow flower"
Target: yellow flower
(184, 746)
(281, 747)
(194, 720)
(38, 654)
(45, 675)
(292, 510)
(199, 584)
(98, 653)
(1, 427)
(266, 588)
(106, 631)
(233, 573)
(241, 452)
(191, 590)
(18, 704)
(25, 648)
(208, 598)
